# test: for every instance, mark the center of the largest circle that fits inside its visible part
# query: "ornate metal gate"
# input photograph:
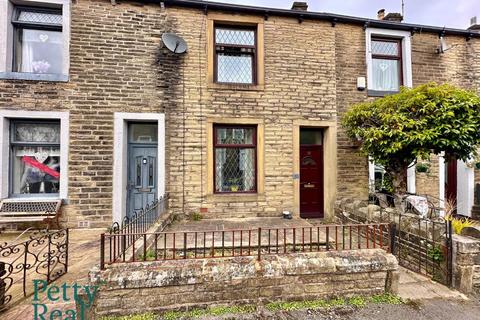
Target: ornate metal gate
(43, 257)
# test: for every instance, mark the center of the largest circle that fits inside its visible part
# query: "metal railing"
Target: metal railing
(241, 242)
(43, 257)
(139, 222)
(422, 244)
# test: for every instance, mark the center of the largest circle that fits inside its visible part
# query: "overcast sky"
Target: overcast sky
(449, 13)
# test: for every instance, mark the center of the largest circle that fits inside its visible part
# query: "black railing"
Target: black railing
(242, 242)
(43, 257)
(139, 222)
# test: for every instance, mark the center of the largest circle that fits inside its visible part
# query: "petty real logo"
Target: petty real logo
(47, 298)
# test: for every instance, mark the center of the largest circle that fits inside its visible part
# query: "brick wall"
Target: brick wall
(113, 69)
(300, 84)
(456, 66)
(119, 65)
(161, 286)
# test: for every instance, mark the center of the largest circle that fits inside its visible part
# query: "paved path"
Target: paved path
(83, 254)
(414, 286)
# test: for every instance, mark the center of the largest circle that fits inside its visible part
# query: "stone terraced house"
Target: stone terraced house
(95, 111)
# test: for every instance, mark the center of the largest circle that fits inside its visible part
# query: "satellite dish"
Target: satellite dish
(174, 43)
(443, 45)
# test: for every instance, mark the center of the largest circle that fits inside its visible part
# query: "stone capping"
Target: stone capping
(466, 263)
(166, 285)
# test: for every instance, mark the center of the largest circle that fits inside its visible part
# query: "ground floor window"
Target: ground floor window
(235, 154)
(34, 157)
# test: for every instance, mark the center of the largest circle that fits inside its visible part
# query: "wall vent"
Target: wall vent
(84, 224)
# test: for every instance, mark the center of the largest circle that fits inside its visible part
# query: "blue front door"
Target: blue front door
(142, 175)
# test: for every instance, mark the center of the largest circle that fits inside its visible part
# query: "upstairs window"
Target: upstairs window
(386, 64)
(235, 54)
(38, 40)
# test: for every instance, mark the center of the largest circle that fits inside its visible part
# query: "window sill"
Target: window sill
(239, 197)
(377, 93)
(34, 76)
(241, 87)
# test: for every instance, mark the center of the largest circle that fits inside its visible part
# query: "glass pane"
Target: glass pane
(234, 170)
(36, 132)
(379, 175)
(386, 75)
(39, 51)
(311, 137)
(385, 48)
(235, 136)
(35, 170)
(234, 68)
(235, 36)
(40, 17)
(143, 132)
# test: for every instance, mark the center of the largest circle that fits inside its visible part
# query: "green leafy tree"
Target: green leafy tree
(399, 129)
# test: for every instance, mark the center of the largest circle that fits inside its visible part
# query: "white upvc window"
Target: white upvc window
(389, 60)
(33, 154)
(34, 39)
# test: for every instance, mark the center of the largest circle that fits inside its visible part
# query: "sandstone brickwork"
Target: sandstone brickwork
(118, 64)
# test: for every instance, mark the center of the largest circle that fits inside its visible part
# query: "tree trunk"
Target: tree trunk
(399, 185)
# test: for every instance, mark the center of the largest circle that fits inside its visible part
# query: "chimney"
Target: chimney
(474, 26)
(381, 14)
(394, 16)
(300, 6)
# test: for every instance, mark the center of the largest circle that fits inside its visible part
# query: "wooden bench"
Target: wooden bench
(19, 210)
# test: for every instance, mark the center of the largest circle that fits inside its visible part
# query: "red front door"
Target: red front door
(451, 180)
(311, 181)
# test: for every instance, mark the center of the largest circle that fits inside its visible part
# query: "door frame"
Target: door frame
(329, 163)
(120, 158)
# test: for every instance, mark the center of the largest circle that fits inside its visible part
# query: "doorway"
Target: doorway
(451, 181)
(311, 173)
(142, 172)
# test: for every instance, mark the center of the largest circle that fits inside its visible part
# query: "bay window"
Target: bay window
(35, 157)
(235, 154)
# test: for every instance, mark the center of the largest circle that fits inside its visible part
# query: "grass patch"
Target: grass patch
(357, 301)
(145, 316)
(212, 311)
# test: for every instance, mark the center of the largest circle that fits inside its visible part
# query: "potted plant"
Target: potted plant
(423, 167)
(235, 184)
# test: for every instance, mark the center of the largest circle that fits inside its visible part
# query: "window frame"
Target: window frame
(246, 27)
(12, 144)
(406, 49)
(398, 57)
(253, 145)
(18, 26)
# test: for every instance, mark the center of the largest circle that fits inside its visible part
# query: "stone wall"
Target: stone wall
(165, 285)
(466, 263)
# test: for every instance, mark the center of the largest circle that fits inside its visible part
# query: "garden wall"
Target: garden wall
(179, 284)
(466, 263)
